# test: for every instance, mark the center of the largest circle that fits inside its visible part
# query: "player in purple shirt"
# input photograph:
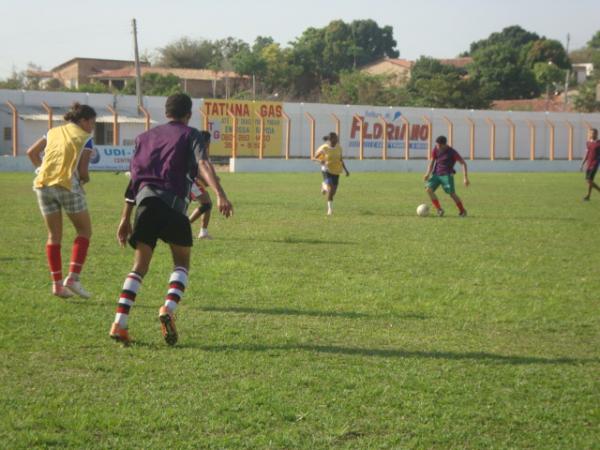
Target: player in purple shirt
(441, 172)
(591, 161)
(165, 161)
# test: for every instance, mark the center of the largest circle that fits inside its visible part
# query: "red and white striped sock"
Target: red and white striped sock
(177, 284)
(54, 263)
(80, 249)
(130, 289)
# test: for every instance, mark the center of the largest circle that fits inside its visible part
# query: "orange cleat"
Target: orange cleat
(120, 334)
(167, 325)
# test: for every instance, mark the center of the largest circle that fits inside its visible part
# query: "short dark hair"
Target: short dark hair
(79, 112)
(330, 136)
(178, 106)
(441, 140)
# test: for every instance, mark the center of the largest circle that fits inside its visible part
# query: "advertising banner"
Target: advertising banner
(247, 114)
(110, 158)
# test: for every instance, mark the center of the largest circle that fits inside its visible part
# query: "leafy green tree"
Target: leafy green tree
(433, 84)
(15, 81)
(513, 36)
(156, 84)
(547, 75)
(359, 88)
(585, 100)
(594, 42)
(187, 53)
(500, 73)
(544, 51)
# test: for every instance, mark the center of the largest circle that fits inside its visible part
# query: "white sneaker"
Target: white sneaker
(206, 237)
(330, 212)
(76, 288)
(60, 291)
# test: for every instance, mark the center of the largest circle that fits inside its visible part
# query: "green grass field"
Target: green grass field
(369, 329)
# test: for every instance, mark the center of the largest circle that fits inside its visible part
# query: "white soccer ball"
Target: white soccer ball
(128, 174)
(423, 210)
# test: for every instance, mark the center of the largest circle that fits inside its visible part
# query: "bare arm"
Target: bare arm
(124, 230)
(35, 150)
(83, 168)
(345, 169)
(429, 170)
(207, 171)
(465, 172)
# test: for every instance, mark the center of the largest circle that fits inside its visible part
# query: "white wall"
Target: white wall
(300, 133)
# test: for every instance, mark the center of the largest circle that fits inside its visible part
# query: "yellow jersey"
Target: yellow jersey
(332, 158)
(64, 146)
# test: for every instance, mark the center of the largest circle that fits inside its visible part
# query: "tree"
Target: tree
(187, 53)
(547, 75)
(513, 36)
(500, 73)
(433, 84)
(544, 51)
(585, 100)
(359, 88)
(156, 84)
(594, 42)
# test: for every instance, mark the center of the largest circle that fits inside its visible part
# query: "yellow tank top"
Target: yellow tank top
(64, 146)
(332, 157)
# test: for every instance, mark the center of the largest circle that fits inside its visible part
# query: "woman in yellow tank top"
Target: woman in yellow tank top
(60, 174)
(332, 165)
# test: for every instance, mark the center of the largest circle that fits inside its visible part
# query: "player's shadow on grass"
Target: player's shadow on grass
(301, 312)
(397, 353)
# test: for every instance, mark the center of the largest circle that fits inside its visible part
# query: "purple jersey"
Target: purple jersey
(592, 157)
(445, 160)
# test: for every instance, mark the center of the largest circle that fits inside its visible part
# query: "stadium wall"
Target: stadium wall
(482, 135)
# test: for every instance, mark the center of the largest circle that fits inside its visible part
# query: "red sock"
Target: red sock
(436, 203)
(80, 248)
(54, 261)
(460, 206)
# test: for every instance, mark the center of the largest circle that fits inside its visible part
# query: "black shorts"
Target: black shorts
(331, 179)
(590, 174)
(154, 220)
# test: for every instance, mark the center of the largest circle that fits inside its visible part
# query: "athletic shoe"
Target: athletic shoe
(463, 213)
(440, 212)
(206, 237)
(75, 287)
(61, 291)
(119, 334)
(586, 199)
(167, 325)
(330, 212)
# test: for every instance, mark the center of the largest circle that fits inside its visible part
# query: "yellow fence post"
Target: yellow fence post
(406, 137)
(511, 139)
(146, 117)
(384, 137)
(429, 137)
(288, 126)
(311, 120)
(204, 123)
(361, 147)
(471, 138)
(336, 121)
(531, 140)
(50, 113)
(15, 128)
(261, 140)
(233, 134)
(570, 143)
(492, 138)
(552, 137)
(115, 125)
(450, 131)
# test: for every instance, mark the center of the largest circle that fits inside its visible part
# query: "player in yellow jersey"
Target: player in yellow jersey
(330, 156)
(60, 175)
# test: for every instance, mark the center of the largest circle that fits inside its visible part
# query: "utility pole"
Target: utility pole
(567, 77)
(138, 71)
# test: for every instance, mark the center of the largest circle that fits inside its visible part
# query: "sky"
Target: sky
(50, 32)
